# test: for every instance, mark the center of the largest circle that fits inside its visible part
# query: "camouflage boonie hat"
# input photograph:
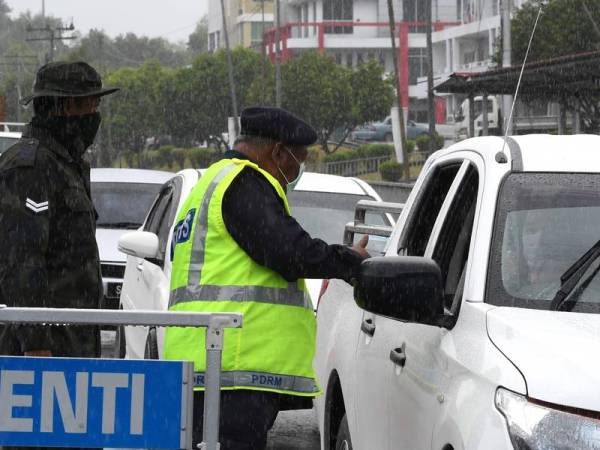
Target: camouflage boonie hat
(67, 79)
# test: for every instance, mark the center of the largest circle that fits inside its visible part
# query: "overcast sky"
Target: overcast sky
(173, 20)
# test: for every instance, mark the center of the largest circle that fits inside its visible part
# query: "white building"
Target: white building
(468, 47)
(355, 31)
(245, 22)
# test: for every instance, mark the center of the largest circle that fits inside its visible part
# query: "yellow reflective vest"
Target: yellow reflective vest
(274, 349)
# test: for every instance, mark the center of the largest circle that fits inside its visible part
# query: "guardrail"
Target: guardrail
(215, 323)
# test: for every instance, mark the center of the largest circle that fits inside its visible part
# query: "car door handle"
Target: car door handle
(368, 327)
(398, 356)
(140, 267)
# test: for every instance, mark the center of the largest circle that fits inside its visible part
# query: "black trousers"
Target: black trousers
(246, 418)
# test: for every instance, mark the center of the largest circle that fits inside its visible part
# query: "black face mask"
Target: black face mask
(75, 133)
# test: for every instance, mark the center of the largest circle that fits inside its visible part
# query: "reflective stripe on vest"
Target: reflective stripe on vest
(262, 380)
(197, 258)
(289, 296)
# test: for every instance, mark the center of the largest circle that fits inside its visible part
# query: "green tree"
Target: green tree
(137, 111)
(329, 96)
(564, 28)
(198, 40)
(199, 102)
(318, 89)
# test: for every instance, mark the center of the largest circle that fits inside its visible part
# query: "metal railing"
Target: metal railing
(362, 166)
(353, 167)
(215, 323)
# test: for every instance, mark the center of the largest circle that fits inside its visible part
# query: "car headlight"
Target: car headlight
(534, 426)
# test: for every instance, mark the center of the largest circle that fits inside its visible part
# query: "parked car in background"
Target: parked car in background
(122, 198)
(382, 131)
(323, 204)
(10, 133)
(479, 329)
(8, 139)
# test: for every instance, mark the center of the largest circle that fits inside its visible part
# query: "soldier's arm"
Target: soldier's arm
(25, 209)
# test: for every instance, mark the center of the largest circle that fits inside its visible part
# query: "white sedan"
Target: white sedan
(122, 198)
(323, 204)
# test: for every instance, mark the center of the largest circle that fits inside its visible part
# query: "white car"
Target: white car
(460, 338)
(122, 198)
(323, 204)
(8, 139)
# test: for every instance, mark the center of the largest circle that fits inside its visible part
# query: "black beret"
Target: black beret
(277, 124)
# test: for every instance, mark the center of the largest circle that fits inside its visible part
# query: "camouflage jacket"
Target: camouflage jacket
(48, 246)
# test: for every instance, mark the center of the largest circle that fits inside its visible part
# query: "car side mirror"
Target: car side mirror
(141, 244)
(406, 288)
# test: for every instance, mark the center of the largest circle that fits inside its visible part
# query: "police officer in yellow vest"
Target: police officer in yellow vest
(237, 248)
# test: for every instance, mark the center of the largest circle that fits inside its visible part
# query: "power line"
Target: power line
(54, 34)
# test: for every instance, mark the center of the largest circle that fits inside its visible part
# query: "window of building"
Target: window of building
(257, 30)
(414, 11)
(338, 10)
(417, 64)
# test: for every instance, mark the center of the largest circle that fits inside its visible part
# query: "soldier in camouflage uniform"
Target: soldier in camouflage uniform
(47, 220)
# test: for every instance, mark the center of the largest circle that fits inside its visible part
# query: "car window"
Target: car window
(414, 239)
(122, 205)
(159, 208)
(452, 246)
(544, 223)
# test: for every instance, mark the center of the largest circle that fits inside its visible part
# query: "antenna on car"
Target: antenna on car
(501, 157)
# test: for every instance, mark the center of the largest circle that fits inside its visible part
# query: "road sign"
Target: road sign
(95, 403)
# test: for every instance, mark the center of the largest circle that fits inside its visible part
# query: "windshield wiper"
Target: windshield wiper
(127, 225)
(572, 275)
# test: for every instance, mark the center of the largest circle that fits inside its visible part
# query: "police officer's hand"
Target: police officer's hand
(361, 247)
(38, 353)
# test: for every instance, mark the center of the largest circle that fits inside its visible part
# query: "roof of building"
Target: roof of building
(568, 75)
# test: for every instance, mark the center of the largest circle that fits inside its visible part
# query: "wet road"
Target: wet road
(293, 430)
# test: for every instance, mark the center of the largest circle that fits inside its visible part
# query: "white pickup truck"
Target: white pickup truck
(480, 327)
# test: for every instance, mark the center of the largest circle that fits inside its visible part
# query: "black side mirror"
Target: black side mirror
(406, 288)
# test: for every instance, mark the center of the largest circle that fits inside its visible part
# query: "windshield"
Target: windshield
(6, 143)
(123, 205)
(325, 215)
(545, 223)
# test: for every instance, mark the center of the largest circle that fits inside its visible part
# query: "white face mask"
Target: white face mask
(291, 185)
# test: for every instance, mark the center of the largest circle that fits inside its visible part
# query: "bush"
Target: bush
(423, 142)
(166, 155)
(340, 156)
(314, 155)
(373, 150)
(391, 171)
(179, 155)
(204, 157)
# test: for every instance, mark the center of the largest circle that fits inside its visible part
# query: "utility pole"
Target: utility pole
(277, 56)
(54, 34)
(44, 9)
(398, 91)
(430, 96)
(263, 52)
(506, 62)
(230, 71)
